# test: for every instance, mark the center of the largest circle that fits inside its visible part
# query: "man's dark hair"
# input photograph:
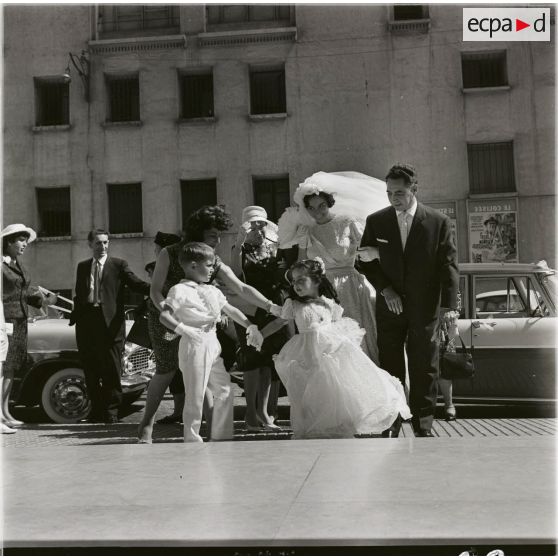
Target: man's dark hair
(205, 218)
(195, 252)
(93, 233)
(328, 198)
(405, 171)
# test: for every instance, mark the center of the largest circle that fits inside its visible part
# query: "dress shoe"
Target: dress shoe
(450, 413)
(12, 422)
(423, 433)
(394, 429)
(112, 419)
(5, 429)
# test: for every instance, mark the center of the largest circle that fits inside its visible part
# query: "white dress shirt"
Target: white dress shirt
(102, 262)
(405, 220)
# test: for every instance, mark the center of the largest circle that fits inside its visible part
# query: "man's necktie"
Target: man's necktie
(97, 283)
(404, 226)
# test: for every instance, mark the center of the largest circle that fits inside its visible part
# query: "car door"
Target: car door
(513, 335)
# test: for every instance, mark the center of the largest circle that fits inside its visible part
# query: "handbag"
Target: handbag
(248, 358)
(455, 365)
(139, 333)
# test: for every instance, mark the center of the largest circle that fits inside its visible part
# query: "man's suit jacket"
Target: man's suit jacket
(425, 274)
(17, 292)
(116, 274)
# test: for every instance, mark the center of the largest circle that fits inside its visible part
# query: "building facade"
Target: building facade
(129, 117)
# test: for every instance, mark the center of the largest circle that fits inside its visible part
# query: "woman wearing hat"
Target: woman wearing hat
(256, 253)
(204, 225)
(16, 295)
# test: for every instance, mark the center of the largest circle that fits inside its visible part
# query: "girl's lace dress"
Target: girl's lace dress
(334, 389)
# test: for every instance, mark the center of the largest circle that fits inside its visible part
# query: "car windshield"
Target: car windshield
(550, 283)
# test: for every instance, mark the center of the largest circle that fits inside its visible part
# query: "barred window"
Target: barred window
(123, 98)
(54, 211)
(402, 12)
(52, 102)
(273, 195)
(197, 193)
(125, 208)
(267, 91)
(242, 13)
(127, 18)
(196, 95)
(491, 167)
(484, 69)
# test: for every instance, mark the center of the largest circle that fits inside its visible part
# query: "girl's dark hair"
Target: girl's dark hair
(316, 272)
(206, 217)
(195, 252)
(328, 198)
(11, 238)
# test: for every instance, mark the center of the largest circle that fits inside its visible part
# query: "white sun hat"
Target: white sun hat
(257, 213)
(19, 228)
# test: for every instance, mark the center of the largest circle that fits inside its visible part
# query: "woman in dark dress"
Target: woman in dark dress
(204, 225)
(263, 269)
(163, 342)
(17, 293)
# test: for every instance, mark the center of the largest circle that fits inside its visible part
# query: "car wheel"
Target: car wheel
(64, 397)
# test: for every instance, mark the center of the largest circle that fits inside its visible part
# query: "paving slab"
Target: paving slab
(497, 490)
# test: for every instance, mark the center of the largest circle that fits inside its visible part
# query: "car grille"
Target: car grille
(138, 360)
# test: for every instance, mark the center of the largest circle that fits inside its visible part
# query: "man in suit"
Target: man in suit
(100, 325)
(416, 280)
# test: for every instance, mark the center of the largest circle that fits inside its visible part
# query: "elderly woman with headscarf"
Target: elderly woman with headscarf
(17, 293)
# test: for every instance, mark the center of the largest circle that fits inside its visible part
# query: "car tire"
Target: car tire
(64, 396)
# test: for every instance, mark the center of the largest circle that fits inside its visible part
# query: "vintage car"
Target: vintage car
(53, 376)
(508, 317)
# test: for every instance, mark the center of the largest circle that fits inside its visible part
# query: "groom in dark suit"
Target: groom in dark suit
(416, 280)
(100, 325)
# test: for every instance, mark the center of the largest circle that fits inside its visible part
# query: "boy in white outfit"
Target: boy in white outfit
(192, 309)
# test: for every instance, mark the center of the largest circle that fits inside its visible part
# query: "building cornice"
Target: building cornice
(137, 44)
(246, 37)
(409, 26)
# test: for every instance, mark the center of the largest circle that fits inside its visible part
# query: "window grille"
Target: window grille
(273, 195)
(402, 12)
(197, 193)
(123, 94)
(484, 69)
(196, 96)
(491, 167)
(135, 17)
(52, 102)
(242, 13)
(267, 91)
(125, 208)
(54, 211)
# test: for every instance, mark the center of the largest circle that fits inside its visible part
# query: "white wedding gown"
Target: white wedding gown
(334, 389)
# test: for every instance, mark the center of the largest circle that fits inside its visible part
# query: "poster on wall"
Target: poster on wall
(493, 230)
(448, 208)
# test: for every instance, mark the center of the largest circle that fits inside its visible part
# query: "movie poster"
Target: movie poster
(493, 230)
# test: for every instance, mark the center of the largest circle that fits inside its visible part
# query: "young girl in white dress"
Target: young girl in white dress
(334, 389)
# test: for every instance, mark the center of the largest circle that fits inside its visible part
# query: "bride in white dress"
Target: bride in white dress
(328, 223)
